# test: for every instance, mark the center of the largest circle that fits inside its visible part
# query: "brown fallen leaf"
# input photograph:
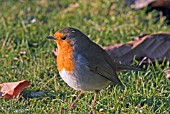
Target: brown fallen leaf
(151, 46)
(161, 3)
(11, 90)
(163, 6)
(138, 4)
(167, 73)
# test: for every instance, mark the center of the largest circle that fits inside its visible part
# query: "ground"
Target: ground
(25, 54)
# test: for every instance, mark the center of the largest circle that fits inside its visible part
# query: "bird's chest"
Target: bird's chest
(68, 67)
(65, 59)
(77, 76)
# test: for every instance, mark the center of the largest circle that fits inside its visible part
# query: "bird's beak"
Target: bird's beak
(51, 37)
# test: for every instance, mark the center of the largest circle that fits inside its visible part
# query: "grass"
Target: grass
(25, 54)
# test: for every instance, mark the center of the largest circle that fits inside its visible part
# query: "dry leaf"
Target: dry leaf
(167, 73)
(11, 90)
(138, 4)
(163, 6)
(161, 3)
(152, 46)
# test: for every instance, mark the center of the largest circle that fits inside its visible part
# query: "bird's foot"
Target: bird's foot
(91, 111)
(71, 106)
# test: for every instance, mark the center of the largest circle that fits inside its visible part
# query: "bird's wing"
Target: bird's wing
(100, 62)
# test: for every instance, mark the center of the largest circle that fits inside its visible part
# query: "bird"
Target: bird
(84, 65)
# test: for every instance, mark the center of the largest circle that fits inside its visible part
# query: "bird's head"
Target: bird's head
(68, 37)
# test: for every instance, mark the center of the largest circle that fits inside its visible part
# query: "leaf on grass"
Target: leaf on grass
(11, 90)
(138, 4)
(167, 73)
(162, 6)
(151, 46)
(161, 3)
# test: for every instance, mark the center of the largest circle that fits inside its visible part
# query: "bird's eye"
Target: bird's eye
(63, 38)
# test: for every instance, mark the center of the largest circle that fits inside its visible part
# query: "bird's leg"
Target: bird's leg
(94, 101)
(75, 101)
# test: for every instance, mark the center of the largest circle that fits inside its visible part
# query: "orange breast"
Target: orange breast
(65, 59)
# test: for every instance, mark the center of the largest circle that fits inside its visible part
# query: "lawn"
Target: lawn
(25, 54)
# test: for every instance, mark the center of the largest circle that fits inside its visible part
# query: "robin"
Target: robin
(84, 65)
